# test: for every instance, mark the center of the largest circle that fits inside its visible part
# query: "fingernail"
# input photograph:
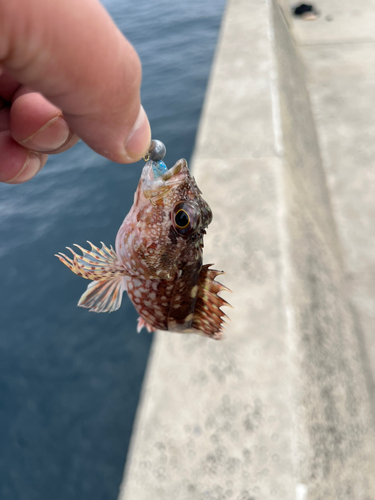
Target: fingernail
(51, 136)
(139, 139)
(31, 167)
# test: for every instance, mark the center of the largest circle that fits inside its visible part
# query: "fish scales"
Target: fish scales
(158, 258)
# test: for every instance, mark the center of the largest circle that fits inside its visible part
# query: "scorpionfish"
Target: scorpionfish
(158, 256)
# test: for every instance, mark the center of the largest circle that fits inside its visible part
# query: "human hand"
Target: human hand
(66, 72)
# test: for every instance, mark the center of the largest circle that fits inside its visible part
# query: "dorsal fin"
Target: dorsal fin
(208, 317)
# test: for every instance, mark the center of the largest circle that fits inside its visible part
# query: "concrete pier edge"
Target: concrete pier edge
(281, 407)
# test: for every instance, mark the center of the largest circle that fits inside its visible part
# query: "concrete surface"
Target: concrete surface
(280, 408)
(341, 80)
(340, 21)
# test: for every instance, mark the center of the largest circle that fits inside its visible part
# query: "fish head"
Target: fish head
(163, 232)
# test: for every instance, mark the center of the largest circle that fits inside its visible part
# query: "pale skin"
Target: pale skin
(66, 72)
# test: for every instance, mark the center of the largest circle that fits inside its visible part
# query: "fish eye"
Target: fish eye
(186, 218)
(182, 219)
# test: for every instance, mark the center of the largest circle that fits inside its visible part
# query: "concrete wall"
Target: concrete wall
(280, 408)
(339, 53)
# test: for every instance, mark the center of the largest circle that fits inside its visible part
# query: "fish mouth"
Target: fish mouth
(157, 187)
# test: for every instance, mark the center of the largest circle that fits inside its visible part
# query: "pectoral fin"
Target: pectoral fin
(103, 296)
(103, 267)
(97, 264)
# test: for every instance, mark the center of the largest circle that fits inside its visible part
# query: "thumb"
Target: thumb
(73, 54)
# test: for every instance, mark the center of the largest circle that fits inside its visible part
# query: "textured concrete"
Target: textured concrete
(280, 408)
(341, 462)
(238, 98)
(343, 86)
(341, 80)
(340, 21)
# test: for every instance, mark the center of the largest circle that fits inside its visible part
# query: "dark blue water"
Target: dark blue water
(70, 379)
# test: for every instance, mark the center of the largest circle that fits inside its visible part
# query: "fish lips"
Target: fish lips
(157, 187)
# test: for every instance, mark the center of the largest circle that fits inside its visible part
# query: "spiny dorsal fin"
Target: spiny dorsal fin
(97, 264)
(208, 317)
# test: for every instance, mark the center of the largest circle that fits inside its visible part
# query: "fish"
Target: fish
(158, 257)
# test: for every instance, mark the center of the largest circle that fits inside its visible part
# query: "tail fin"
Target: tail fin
(102, 266)
(208, 317)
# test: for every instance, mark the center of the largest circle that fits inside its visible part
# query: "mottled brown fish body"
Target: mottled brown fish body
(158, 259)
(167, 305)
(181, 312)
